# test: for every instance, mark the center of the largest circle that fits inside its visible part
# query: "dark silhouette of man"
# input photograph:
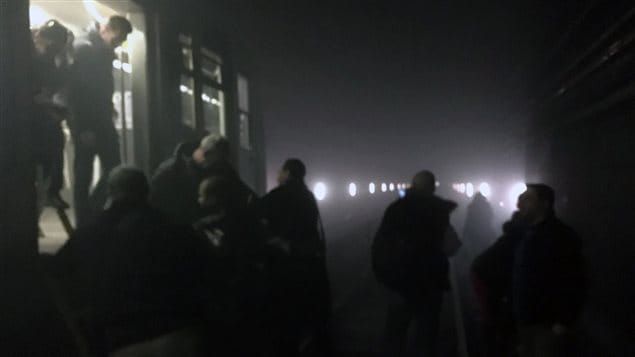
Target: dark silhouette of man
(92, 125)
(492, 280)
(412, 232)
(548, 275)
(50, 41)
(292, 215)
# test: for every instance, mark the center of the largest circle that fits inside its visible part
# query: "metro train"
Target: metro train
(176, 78)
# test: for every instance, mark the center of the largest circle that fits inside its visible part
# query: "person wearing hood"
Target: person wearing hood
(409, 258)
(90, 98)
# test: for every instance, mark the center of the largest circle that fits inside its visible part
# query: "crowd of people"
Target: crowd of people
(193, 262)
(529, 283)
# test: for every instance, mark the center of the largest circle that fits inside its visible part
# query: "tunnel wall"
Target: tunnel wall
(581, 142)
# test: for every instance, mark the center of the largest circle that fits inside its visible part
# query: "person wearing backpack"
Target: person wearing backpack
(409, 258)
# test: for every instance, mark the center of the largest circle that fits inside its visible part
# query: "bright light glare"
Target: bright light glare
(501, 203)
(383, 187)
(517, 189)
(92, 10)
(469, 189)
(319, 190)
(37, 16)
(371, 188)
(402, 193)
(437, 184)
(485, 189)
(391, 187)
(462, 188)
(352, 189)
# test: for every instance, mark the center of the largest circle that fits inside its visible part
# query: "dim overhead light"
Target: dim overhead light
(371, 188)
(391, 187)
(384, 187)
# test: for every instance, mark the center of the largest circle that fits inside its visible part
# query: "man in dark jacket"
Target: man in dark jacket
(548, 275)
(492, 277)
(90, 97)
(140, 280)
(175, 184)
(50, 41)
(416, 223)
(292, 216)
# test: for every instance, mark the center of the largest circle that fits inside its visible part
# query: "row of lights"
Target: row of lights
(484, 188)
(320, 190)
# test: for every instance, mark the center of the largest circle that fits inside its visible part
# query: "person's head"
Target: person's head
(51, 38)
(536, 203)
(423, 182)
(215, 193)
(115, 31)
(292, 170)
(212, 149)
(128, 185)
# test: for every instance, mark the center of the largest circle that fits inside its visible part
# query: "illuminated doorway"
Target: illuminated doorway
(130, 102)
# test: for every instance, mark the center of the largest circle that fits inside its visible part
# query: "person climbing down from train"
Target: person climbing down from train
(292, 216)
(409, 257)
(92, 125)
(51, 41)
(175, 184)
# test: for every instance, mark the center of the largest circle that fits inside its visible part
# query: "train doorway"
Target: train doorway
(130, 102)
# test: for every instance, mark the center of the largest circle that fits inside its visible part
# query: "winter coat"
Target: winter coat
(420, 222)
(548, 276)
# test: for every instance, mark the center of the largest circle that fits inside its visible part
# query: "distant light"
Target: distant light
(485, 189)
(501, 204)
(437, 184)
(37, 16)
(516, 190)
(469, 189)
(319, 190)
(391, 187)
(384, 188)
(402, 193)
(462, 188)
(352, 189)
(371, 188)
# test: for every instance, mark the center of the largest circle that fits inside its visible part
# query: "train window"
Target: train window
(213, 110)
(243, 109)
(211, 65)
(187, 101)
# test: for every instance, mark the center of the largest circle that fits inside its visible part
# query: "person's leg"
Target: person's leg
(398, 320)
(83, 176)
(427, 311)
(109, 158)
(57, 170)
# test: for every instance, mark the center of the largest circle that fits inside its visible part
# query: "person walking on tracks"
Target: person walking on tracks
(408, 257)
